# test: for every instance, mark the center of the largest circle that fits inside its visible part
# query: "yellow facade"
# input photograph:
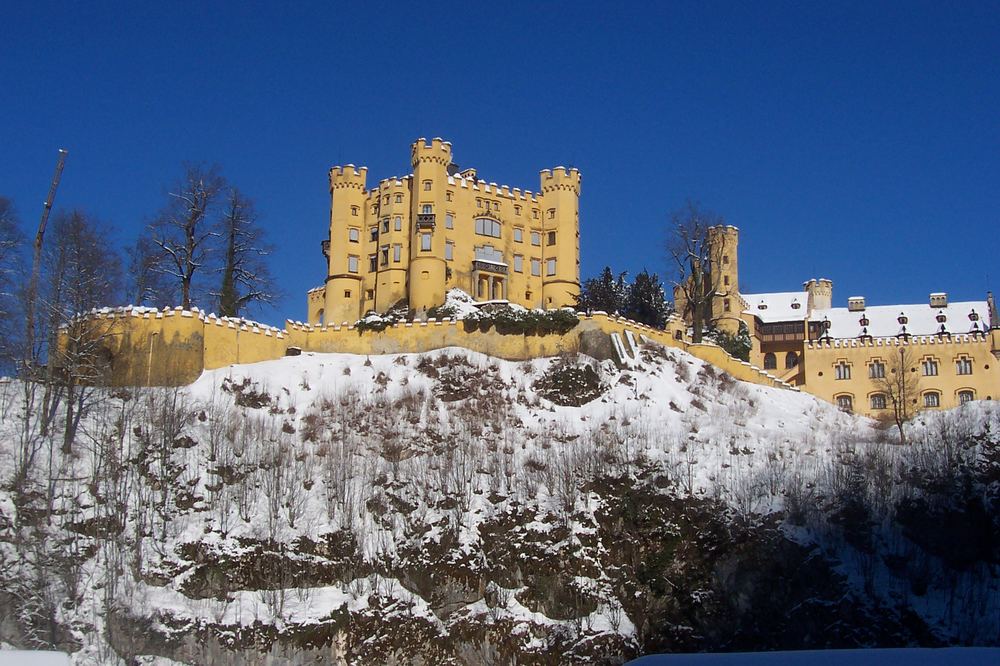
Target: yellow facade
(792, 339)
(412, 238)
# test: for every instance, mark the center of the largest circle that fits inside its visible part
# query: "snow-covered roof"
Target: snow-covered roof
(921, 319)
(777, 306)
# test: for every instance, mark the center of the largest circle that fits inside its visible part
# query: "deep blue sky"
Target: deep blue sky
(859, 142)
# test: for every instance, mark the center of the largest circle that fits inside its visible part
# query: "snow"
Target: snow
(777, 306)
(921, 319)
(883, 657)
(33, 658)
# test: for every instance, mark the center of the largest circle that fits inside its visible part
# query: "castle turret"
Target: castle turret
(820, 294)
(723, 268)
(345, 256)
(427, 248)
(560, 202)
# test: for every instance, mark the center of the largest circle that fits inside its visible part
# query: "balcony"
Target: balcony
(489, 267)
(325, 246)
(425, 221)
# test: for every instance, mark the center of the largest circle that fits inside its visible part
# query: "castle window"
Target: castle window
(518, 263)
(518, 235)
(427, 209)
(347, 293)
(552, 213)
(352, 264)
(791, 360)
(517, 210)
(449, 250)
(399, 198)
(963, 366)
(479, 203)
(536, 267)
(372, 263)
(725, 280)
(449, 195)
(449, 221)
(354, 211)
(551, 240)
(930, 367)
(725, 305)
(427, 186)
(965, 396)
(536, 238)
(878, 401)
(425, 242)
(845, 403)
(397, 252)
(373, 233)
(725, 259)
(397, 223)
(354, 235)
(932, 399)
(876, 370)
(385, 226)
(843, 370)
(550, 267)
(385, 199)
(385, 255)
(496, 205)
(370, 294)
(534, 213)
(487, 227)
(770, 361)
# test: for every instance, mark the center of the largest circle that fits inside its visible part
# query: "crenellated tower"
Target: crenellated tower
(560, 203)
(428, 268)
(343, 248)
(723, 268)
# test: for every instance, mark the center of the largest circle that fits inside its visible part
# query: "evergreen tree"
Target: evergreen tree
(646, 301)
(606, 293)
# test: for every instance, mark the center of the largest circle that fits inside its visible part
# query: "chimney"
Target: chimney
(939, 300)
(856, 303)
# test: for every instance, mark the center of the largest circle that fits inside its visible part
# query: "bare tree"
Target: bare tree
(901, 387)
(146, 282)
(82, 274)
(184, 230)
(245, 276)
(11, 244)
(688, 245)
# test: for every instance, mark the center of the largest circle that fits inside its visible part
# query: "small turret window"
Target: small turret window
(536, 238)
(517, 210)
(354, 235)
(449, 195)
(518, 235)
(449, 250)
(427, 186)
(551, 238)
(352, 264)
(373, 233)
(399, 198)
(354, 211)
(550, 267)
(372, 263)
(397, 252)
(449, 221)
(552, 213)
(518, 263)
(534, 213)
(536, 267)
(398, 223)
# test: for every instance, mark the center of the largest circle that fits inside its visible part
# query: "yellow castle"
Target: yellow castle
(414, 237)
(951, 350)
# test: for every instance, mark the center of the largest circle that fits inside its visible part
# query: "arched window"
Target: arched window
(319, 316)
(845, 403)
(965, 396)
(878, 401)
(932, 399)
(791, 360)
(770, 361)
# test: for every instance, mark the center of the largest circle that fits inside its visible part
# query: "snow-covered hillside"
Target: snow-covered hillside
(454, 508)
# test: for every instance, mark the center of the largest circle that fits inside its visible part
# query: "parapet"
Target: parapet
(560, 178)
(348, 177)
(438, 150)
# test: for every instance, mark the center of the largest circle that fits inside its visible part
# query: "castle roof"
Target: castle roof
(777, 306)
(921, 319)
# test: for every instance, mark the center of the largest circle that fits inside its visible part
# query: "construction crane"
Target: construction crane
(36, 258)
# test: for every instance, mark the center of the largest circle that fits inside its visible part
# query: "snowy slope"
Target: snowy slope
(421, 494)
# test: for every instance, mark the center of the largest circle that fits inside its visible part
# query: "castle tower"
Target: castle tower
(820, 294)
(345, 256)
(560, 202)
(427, 207)
(723, 243)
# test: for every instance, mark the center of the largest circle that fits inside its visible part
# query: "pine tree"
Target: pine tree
(646, 301)
(605, 293)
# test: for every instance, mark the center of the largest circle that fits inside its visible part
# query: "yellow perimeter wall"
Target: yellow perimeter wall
(173, 347)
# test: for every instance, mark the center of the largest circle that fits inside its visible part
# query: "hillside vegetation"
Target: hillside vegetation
(451, 508)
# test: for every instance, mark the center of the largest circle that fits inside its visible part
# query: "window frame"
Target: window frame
(353, 235)
(353, 260)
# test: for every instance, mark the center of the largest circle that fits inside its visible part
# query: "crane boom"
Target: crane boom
(36, 258)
